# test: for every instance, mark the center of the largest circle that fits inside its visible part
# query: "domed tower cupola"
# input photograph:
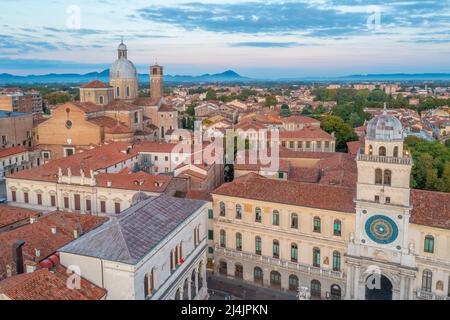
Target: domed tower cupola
(123, 51)
(385, 128)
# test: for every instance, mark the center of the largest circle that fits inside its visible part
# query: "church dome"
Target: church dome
(385, 127)
(122, 69)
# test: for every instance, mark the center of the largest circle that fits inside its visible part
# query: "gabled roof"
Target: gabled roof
(12, 151)
(131, 236)
(10, 215)
(96, 84)
(430, 208)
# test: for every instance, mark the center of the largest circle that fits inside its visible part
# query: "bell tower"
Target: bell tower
(157, 82)
(383, 208)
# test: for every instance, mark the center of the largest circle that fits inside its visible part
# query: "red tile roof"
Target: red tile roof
(299, 174)
(118, 129)
(430, 208)
(199, 195)
(167, 108)
(353, 147)
(253, 186)
(96, 84)
(44, 284)
(12, 151)
(39, 236)
(10, 215)
(118, 105)
(299, 119)
(313, 133)
(98, 158)
(87, 107)
(139, 181)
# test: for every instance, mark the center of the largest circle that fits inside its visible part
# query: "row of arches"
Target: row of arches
(275, 280)
(192, 285)
(294, 249)
(382, 151)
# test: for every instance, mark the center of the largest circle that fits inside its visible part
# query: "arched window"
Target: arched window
(238, 271)
(258, 275)
(336, 261)
(316, 289)
(258, 245)
(294, 221)
(102, 100)
(258, 215)
(293, 283)
(396, 152)
(276, 218)
(337, 228)
(238, 241)
(335, 292)
(429, 244)
(223, 268)
(276, 249)
(128, 91)
(316, 257)
(275, 280)
(440, 285)
(387, 177)
(370, 150)
(118, 92)
(427, 280)
(378, 176)
(223, 238)
(222, 209)
(238, 211)
(317, 226)
(294, 252)
(382, 152)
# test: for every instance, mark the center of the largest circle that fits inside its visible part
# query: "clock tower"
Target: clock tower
(380, 261)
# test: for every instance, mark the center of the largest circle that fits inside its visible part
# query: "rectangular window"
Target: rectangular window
(117, 207)
(319, 145)
(53, 201)
(88, 205)
(77, 201)
(210, 250)
(388, 200)
(25, 197)
(291, 145)
(13, 195)
(102, 206)
(210, 234)
(210, 214)
(66, 202)
(280, 175)
(377, 199)
(39, 199)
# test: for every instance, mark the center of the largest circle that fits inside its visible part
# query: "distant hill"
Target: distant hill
(227, 76)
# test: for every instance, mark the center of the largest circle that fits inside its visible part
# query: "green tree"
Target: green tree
(344, 133)
(211, 95)
(285, 111)
(271, 101)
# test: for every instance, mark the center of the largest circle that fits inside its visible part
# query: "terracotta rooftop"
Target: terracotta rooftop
(199, 195)
(104, 121)
(139, 181)
(353, 147)
(10, 215)
(12, 151)
(44, 284)
(96, 84)
(39, 236)
(98, 158)
(146, 102)
(299, 174)
(167, 108)
(118, 129)
(87, 107)
(306, 133)
(299, 119)
(118, 105)
(256, 187)
(430, 208)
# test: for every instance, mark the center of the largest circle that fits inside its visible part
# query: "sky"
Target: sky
(259, 39)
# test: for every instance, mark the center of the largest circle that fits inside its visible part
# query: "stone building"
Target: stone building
(166, 262)
(123, 76)
(16, 129)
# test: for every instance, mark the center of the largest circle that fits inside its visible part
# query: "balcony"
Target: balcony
(392, 160)
(430, 295)
(280, 263)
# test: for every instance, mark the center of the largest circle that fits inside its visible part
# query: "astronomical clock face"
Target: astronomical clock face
(381, 229)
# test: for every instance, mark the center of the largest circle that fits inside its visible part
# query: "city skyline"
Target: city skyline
(294, 40)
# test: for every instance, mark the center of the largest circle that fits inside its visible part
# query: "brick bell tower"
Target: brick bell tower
(156, 82)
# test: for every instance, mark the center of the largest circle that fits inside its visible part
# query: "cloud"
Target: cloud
(266, 44)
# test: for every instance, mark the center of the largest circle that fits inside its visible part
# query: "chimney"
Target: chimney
(18, 255)
(37, 253)
(53, 229)
(75, 234)
(109, 184)
(33, 220)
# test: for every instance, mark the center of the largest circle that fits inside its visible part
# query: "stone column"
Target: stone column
(182, 293)
(411, 288)
(189, 290)
(196, 282)
(356, 284)
(348, 289)
(402, 287)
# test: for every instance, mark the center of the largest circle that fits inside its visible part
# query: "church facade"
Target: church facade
(109, 112)
(376, 239)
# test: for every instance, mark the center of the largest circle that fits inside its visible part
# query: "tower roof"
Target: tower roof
(385, 127)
